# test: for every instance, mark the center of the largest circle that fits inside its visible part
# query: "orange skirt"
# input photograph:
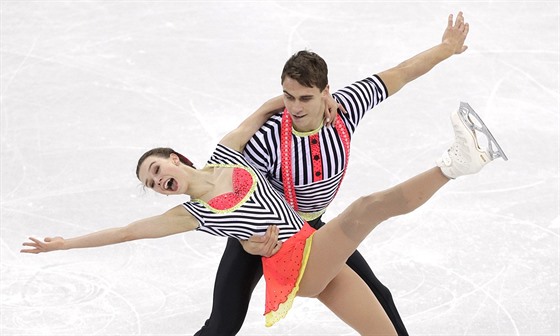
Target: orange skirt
(283, 272)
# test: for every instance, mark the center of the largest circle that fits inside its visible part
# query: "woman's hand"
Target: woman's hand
(331, 110)
(266, 245)
(49, 244)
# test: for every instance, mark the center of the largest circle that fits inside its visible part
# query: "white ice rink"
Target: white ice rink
(88, 86)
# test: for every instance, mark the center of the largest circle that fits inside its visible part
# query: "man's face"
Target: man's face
(306, 105)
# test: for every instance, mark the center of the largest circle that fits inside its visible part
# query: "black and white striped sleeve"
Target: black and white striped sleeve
(261, 151)
(360, 97)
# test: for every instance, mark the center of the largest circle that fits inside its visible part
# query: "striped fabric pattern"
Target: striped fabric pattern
(263, 150)
(262, 208)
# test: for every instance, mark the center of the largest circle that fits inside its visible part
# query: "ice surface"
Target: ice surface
(87, 86)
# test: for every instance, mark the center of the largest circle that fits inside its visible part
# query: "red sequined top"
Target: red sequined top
(242, 182)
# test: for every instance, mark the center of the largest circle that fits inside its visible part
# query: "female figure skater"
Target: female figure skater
(229, 198)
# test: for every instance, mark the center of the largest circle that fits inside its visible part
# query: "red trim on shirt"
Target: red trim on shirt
(315, 144)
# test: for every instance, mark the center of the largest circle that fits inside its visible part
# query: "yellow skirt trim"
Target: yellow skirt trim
(309, 216)
(274, 316)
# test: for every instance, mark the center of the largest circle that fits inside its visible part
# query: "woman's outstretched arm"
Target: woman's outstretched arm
(174, 221)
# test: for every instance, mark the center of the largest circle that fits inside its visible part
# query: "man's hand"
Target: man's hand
(452, 43)
(266, 245)
(455, 34)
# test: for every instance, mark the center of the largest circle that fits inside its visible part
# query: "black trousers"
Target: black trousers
(239, 272)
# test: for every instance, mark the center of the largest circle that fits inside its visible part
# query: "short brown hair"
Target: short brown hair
(308, 69)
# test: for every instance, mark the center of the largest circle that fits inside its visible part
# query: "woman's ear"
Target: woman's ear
(175, 159)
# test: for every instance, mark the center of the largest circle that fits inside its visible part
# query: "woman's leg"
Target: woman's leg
(359, 265)
(337, 240)
(348, 296)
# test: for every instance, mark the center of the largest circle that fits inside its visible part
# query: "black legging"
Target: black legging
(239, 272)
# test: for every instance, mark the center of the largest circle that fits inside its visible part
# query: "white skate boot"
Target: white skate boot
(465, 155)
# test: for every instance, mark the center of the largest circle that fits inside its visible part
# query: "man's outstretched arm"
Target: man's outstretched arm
(452, 43)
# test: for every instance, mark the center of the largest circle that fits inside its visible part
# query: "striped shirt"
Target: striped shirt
(263, 150)
(261, 207)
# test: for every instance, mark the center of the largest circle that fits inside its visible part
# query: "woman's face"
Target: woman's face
(164, 175)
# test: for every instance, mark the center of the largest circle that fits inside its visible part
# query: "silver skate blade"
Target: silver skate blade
(466, 112)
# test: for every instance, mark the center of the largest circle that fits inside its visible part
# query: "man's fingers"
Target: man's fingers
(257, 239)
(264, 238)
(269, 234)
(273, 236)
(272, 245)
(460, 21)
(276, 248)
(460, 18)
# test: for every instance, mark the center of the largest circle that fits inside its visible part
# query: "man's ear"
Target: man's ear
(326, 91)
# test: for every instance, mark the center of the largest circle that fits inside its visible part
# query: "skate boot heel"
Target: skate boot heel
(466, 156)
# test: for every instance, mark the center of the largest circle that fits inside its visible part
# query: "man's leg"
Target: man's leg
(238, 274)
(359, 265)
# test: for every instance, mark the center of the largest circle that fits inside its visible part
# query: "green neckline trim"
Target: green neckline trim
(306, 134)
